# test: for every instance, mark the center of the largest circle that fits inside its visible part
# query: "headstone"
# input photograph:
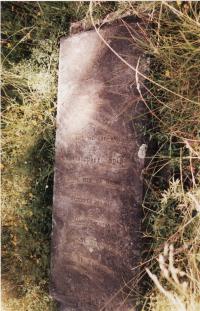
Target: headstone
(98, 181)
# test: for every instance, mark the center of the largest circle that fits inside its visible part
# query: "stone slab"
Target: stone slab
(98, 183)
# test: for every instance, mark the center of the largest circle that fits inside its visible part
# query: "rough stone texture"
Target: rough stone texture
(98, 183)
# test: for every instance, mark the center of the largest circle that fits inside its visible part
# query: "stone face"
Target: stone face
(98, 184)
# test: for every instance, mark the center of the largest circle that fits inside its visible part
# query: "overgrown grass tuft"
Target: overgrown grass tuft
(30, 47)
(172, 199)
(28, 136)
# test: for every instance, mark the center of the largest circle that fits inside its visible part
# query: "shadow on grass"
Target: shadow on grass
(26, 240)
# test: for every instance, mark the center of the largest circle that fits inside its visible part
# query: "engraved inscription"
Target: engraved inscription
(105, 138)
(74, 197)
(86, 201)
(100, 182)
(116, 161)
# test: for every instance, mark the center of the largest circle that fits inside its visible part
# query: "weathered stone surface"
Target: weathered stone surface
(98, 184)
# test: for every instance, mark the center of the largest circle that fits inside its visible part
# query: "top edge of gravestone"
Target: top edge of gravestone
(79, 27)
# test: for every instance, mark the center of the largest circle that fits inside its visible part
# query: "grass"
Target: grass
(30, 36)
(28, 137)
(171, 275)
(171, 202)
(28, 102)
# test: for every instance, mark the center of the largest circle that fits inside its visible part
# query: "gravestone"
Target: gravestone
(98, 172)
